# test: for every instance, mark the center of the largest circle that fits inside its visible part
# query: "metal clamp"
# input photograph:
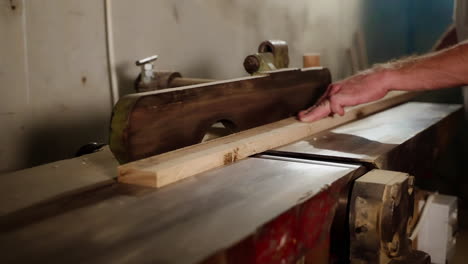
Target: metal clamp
(149, 80)
(272, 55)
(147, 68)
(380, 210)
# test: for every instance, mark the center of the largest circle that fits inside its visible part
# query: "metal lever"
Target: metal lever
(146, 64)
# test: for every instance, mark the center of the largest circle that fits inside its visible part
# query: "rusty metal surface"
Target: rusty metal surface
(161, 80)
(403, 138)
(300, 235)
(381, 207)
(279, 49)
(272, 55)
(182, 223)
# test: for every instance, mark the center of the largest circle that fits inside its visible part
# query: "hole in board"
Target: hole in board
(219, 129)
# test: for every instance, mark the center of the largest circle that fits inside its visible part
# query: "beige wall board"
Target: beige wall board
(67, 56)
(210, 39)
(13, 146)
(13, 64)
(68, 77)
(14, 98)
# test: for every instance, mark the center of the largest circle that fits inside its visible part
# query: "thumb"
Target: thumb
(315, 113)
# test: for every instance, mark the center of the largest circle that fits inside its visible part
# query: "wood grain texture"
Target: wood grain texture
(183, 223)
(151, 123)
(27, 188)
(173, 166)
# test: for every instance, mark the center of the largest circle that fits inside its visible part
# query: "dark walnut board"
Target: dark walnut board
(152, 123)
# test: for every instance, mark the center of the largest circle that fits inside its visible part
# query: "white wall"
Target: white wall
(54, 76)
(210, 38)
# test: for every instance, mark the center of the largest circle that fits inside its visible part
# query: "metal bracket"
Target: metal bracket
(147, 67)
(380, 211)
(272, 55)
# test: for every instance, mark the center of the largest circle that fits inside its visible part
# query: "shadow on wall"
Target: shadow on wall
(125, 81)
(52, 141)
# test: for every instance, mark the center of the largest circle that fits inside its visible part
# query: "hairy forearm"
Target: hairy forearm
(443, 69)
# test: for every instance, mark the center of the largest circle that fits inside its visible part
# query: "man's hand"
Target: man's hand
(361, 88)
(443, 69)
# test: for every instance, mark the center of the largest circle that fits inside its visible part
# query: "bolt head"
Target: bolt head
(148, 66)
(251, 64)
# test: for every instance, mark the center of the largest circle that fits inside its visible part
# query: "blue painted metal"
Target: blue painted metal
(400, 28)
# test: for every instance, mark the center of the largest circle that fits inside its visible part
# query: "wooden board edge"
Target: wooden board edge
(197, 158)
(119, 126)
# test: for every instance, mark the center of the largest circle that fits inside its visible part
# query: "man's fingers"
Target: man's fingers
(328, 103)
(336, 106)
(325, 95)
(335, 88)
(316, 112)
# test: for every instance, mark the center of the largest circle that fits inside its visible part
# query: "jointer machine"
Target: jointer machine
(274, 190)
